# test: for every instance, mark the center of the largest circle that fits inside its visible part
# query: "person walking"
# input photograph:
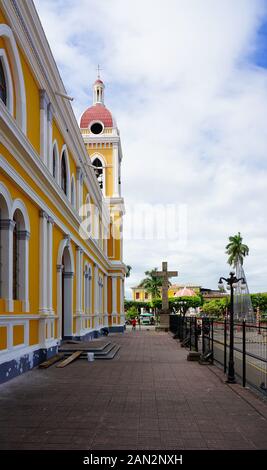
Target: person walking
(133, 324)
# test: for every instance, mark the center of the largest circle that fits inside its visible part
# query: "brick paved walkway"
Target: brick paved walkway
(149, 397)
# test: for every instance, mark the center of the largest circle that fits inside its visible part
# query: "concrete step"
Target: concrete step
(108, 352)
(112, 353)
(82, 346)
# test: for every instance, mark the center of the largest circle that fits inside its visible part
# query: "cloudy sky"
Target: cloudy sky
(187, 83)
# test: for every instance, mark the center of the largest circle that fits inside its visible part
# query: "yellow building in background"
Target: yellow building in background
(141, 295)
(61, 268)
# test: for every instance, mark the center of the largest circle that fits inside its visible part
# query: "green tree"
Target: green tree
(183, 304)
(216, 307)
(152, 284)
(131, 313)
(236, 250)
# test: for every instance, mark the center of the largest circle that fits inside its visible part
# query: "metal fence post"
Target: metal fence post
(225, 346)
(212, 349)
(244, 353)
(196, 335)
(190, 332)
(203, 336)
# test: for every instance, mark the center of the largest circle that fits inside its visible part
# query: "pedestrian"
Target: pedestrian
(133, 324)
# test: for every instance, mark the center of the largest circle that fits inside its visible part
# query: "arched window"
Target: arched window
(64, 173)
(3, 85)
(99, 172)
(20, 247)
(4, 243)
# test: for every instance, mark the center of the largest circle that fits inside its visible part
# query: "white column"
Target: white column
(78, 188)
(105, 300)
(50, 265)
(43, 308)
(59, 300)
(68, 303)
(122, 301)
(114, 298)
(50, 113)
(7, 227)
(115, 170)
(79, 252)
(43, 125)
(96, 297)
(23, 240)
(79, 277)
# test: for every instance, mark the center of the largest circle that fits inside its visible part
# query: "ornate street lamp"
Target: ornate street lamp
(232, 282)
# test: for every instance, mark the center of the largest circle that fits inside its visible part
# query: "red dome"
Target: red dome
(98, 112)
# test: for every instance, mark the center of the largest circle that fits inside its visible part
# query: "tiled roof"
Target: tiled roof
(98, 112)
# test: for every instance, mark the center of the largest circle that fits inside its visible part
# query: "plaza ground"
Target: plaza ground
(148, 397)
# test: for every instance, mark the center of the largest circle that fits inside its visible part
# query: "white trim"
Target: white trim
(21, 112)
(8, 200)
(9, 82)
(96, 121)
(68, 290)
(19, 204)
(63, 244)
(115, 160)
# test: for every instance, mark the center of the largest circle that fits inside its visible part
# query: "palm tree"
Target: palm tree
(128, 270)
(152, 284)
(236, 250)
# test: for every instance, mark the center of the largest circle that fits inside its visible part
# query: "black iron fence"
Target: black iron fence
(211, 338)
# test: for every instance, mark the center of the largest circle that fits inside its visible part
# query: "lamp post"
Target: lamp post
(232, 282)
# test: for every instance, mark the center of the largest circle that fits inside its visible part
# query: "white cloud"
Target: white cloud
(192, 110)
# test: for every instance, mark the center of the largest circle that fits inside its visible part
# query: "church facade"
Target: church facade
(61, 210)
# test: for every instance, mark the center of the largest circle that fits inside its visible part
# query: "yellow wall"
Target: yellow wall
(18, 335)
(3, 337)
(33, 105)
(34, 332)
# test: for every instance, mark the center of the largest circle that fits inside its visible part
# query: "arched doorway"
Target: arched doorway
(66, 294)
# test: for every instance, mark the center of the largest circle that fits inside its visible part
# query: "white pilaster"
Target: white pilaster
(50, 113)
(43, 125)
(50, 265)
(96, 297)
(114, 299)
(105, 300)
(115, 170)
(59, 298)
(78, 187)
(23, 240)
(79, 255)
(43, 307)
(122, 314)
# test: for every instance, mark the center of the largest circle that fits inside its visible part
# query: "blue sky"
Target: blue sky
(187, 84)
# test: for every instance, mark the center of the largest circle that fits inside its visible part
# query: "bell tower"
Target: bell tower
(102, 139)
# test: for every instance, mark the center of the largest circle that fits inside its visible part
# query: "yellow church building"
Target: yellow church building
(61, 209)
